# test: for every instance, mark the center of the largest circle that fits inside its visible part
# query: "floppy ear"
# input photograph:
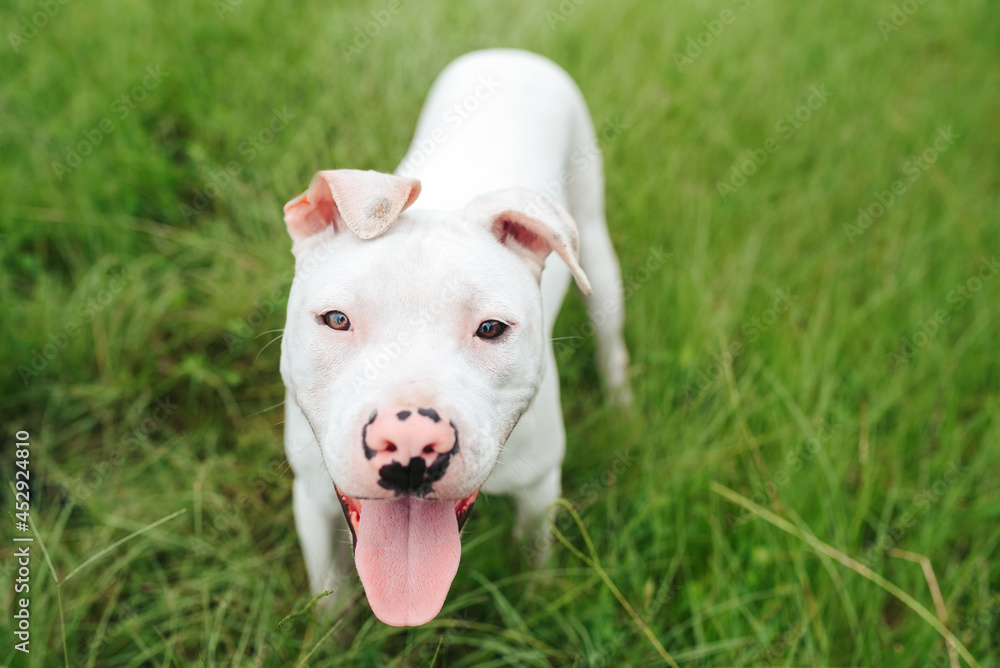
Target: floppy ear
(531, 225)
(366, 202)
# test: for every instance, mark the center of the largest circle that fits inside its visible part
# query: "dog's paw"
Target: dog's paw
(620, 396)
(613, 363)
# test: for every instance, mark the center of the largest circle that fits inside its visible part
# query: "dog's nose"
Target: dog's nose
(409, 447)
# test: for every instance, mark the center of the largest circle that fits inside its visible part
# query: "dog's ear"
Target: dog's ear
(366, 202)
(531, 225)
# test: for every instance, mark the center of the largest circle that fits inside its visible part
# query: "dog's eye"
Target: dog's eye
(490, 329)
(336, 320)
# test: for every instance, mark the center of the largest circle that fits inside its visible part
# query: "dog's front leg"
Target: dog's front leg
(319, 519)
(318, 522)
(532, 527)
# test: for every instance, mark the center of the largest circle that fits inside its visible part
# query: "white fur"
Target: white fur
(493, 119)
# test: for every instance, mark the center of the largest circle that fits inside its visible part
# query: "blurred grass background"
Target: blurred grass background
(140, 287)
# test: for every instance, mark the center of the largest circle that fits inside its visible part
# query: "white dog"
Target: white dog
(417, 352)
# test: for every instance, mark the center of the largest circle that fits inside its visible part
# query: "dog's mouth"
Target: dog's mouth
(352, 511)
(407, 552)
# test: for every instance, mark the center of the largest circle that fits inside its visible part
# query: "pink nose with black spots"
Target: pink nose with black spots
(409, 448)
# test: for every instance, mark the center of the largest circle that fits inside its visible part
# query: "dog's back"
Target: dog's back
(496, 119)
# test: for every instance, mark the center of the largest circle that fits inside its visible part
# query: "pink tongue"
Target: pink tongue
(407, 555)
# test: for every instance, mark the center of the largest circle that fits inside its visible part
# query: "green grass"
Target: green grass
(807, 413)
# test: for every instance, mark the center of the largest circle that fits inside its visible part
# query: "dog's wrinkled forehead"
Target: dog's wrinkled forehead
(424, 258)
(352, 205)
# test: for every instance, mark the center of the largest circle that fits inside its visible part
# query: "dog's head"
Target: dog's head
(413, 343)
